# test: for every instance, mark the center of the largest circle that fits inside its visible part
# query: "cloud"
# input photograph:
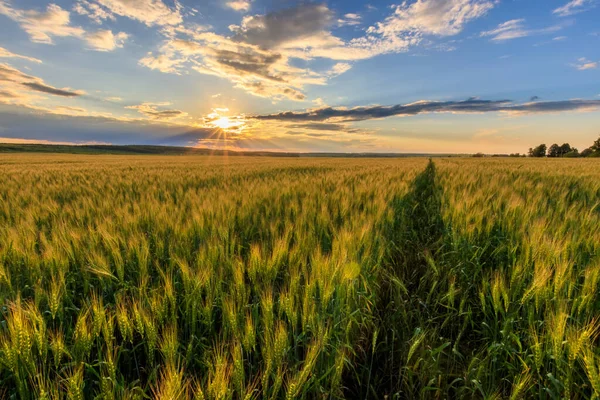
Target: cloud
(350, 19)
(41, 26)
(10, 74)
(584, 64)
(41, 87)
(149, 12)
(74, 124)
(7, 140)
(105, 40)
(152, 111)
(339, 69)
(7, 54)
(239, 5)
(280, 27)
(258, 57)
(328, 127)
(94, 11)
(515, 28)
(573, 7)
(319, 102)
(20, 88)
(162, 62)
(337, 115)
(433, 17)
(265, 73)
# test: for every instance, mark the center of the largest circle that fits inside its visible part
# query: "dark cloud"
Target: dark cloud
(317, 126)
(553, 106)
(61, 128)
(251, 63)
(273, 29)
(40, 87)
(165, 114)
(330, 127)
(422, 107)
(152, 110)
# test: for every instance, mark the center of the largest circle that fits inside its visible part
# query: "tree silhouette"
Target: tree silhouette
(539, 151)
(554, 150)
(596, 146)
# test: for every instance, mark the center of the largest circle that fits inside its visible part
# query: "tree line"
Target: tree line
(565, 150)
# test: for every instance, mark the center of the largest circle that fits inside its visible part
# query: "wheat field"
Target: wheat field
(198, 277)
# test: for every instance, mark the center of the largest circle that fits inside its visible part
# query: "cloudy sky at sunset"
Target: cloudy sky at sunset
(343, 75)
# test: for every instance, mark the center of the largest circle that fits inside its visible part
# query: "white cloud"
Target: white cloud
(94, 11)
(8, 54)
(168, 62)
(508, 30)
(149, 12)
(319, 102)
(515, 28)
(105, 40)
(350, 19)
(41, 26)
(258, 56)
(573, 7)
(433, 17)
(239, 5)
(339, 69)
(585, 64)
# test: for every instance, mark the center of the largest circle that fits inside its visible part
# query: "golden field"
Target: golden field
(198, 277)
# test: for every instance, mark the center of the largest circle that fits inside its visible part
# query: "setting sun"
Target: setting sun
(224, 123)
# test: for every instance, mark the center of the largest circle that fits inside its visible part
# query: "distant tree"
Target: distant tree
(593, 150)
(565, 149)
(587, 152)
(478, 155)
(515, 155)
(554, 150)
(596, 145)
(559, 151)
(574, 153)
(539, 151)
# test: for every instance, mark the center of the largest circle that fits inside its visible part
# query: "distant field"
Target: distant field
(174, 150)
(211, 277)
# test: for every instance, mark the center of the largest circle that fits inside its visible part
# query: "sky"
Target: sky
(415, 76)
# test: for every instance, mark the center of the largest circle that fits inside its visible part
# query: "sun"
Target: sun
(227, 124)
(224, 123)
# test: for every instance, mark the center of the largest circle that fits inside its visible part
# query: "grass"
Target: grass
(199, 277)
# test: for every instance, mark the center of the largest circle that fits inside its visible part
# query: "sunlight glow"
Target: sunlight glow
(224, 123)
(235, 124)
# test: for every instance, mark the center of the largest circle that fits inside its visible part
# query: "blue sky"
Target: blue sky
(351, 76)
